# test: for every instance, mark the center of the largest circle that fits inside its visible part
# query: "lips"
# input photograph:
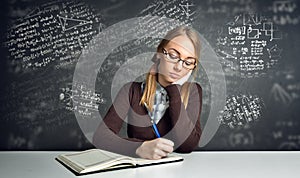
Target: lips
(174, 75)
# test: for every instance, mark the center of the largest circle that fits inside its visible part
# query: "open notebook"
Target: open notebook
(96, 160)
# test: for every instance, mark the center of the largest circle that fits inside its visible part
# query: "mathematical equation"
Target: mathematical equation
(285, 12)
(181, 10)
(241, 139)
(54, 32)
(287, 135)
(29, 101)
(248, 45)
(288, 91)
(228, 7)
(241, 110)
(211, 14)
(80, 99)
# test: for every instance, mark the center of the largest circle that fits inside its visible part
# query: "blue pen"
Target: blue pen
(155, 129)
(153, 123)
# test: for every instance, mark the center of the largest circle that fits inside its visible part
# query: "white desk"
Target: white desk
(196, 165)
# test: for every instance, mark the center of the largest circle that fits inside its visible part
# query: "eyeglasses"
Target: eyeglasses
(173, 57)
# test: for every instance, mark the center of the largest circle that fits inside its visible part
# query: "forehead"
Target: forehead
(183, 45)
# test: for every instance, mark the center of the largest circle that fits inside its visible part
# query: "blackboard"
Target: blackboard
(255, 44)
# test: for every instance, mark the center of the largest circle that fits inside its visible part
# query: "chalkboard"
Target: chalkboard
(43, 42)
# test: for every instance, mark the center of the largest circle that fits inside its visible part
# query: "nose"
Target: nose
(178, 66)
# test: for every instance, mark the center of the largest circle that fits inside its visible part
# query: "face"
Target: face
(171, 72)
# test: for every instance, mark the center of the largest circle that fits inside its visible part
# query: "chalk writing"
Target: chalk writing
(241, 139)
(241, 110)
(286, 134)
(85, 100)
(52, 33)
(249, 43)
(285, 12)
(181, 10)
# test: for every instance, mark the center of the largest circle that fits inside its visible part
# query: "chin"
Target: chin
(171, 80)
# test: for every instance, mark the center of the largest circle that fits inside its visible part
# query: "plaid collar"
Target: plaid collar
(161, 103)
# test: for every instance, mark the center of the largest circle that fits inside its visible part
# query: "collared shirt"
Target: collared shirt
(161, 103)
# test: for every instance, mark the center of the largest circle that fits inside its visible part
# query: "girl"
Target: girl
(163, 113)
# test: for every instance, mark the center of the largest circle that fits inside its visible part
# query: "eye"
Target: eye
(188, 63)
(173, 56)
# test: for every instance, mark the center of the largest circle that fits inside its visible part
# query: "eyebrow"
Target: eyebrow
(180, 54)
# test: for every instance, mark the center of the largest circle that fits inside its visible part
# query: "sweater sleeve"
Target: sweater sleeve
(185, 122)
(106, 136)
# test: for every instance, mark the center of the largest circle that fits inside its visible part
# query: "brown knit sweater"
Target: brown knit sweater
(178, 124)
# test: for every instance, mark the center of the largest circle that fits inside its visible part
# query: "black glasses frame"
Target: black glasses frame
(178, 60)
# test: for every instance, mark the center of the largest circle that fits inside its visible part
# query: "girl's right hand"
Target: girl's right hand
(155, 149)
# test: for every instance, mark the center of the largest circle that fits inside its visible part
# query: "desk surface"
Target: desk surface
(195, 165)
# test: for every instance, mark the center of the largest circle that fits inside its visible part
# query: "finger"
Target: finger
(167, 148)
(166, 141)
(155, 157)
(158, 153)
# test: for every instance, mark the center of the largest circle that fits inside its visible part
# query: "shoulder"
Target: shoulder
(133, 89)
(133, 86)
(195, 84)
(130, 87)
(130, 91)
(195, 88)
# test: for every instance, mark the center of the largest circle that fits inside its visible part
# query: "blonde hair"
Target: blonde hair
(150, 88)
